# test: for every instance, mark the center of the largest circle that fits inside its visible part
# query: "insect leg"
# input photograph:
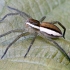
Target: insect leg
(59, 48)
(23, 14)
(9, 14)
(42, 18)
(33, 38)
(55, 43)
(30, 45)
(19, 36)
(54, 22)
(19, 30)
(16, 30)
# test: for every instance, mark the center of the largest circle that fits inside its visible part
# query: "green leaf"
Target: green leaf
(43, 55)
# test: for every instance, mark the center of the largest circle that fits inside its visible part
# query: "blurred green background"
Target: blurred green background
(43, 55)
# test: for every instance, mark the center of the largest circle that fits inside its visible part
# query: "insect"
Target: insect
(47, 30)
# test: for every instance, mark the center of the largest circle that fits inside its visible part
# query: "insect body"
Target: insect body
(46, 27)
(47, 30)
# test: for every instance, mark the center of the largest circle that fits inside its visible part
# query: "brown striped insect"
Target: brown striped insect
(47, 30)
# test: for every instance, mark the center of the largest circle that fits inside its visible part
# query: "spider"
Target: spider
(47, 30)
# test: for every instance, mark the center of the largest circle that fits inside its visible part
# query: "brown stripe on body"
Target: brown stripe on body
(50, 26)
(34, 22)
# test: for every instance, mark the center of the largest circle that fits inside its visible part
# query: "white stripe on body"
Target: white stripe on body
(51, 32)
(37, 27)
(46, 30)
